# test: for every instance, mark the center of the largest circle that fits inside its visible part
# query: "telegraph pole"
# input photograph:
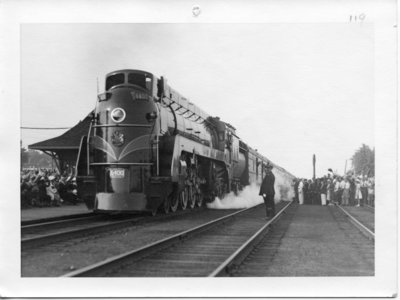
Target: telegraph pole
(313, 160)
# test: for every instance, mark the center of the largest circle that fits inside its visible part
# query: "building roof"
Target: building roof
(69, 140)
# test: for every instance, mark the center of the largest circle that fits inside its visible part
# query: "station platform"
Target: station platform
(37, 213)
(321, 242)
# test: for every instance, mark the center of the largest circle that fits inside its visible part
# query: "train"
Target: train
(150, 149)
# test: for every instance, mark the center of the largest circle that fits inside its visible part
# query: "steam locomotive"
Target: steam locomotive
(149, 148)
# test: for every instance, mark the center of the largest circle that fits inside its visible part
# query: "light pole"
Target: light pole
(314, 159)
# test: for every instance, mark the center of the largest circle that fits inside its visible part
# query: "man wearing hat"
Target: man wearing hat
(52, 192)
(267, 190)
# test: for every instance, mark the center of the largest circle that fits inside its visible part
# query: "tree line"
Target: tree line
(33, 158)
(364, 161)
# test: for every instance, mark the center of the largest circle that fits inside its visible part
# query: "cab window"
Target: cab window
(141, 80)
(115, 80)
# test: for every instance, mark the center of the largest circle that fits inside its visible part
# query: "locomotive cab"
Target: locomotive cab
(140, 79)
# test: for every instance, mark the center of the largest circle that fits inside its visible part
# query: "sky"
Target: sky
(291, 90)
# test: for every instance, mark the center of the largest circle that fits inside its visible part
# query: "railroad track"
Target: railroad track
(211, 249)
(47, 224)
(49, 233)
(362, 218)
(55, 219)
(371, 208)
(46, 233)
(360, 237)
(55, 258)
(258, 261)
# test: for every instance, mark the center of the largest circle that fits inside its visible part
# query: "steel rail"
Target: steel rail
(136, 254)
(54, 219)
(366, 231)
(54, 237)
(372, 208)
(231, 263)
(25, 229)
(59, 236)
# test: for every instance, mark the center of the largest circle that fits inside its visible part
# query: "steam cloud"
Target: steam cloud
(249, 197)
(283, 186)
(246, 198)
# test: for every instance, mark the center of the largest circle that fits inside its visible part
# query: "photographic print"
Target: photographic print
(212, 150)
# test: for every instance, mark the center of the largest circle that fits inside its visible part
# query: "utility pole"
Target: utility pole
(313, 160)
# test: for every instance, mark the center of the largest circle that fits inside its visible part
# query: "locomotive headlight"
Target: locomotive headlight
(118, 115)
(151, 116)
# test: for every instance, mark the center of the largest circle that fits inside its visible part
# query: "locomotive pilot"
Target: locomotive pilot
(267, 191)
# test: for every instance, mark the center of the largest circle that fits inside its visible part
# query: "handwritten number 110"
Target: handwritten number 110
(359, 18)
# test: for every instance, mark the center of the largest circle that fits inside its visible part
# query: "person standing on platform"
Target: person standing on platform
(358, 194)
(364, 190)
(323, 190)
(44, 199)
(300, 191)
(52, 192)
(267, 190)
(329, 192)
(341, 189)
(317, 192)
(371, 192)
(307, 191)
(352, 191)
(296, 189)
(334, 181)
(310, 196)
(346, 192)
(311, 188)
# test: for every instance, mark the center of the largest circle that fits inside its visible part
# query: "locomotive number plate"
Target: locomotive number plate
(117, 173)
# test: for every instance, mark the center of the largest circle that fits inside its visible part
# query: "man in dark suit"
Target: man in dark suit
(267, 191)
(296, 190)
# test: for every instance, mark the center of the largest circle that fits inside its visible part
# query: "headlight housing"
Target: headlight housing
(118, 115)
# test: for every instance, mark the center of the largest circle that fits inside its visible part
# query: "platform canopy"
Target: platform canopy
(64, 148)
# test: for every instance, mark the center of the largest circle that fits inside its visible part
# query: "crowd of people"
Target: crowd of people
(331, 189)
(46, 187)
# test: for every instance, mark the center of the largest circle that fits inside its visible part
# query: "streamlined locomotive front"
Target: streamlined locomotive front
(122, 142)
